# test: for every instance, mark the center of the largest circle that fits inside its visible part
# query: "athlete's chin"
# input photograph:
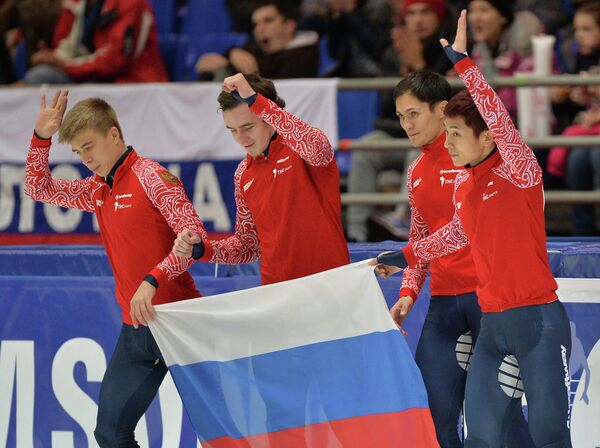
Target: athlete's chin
(457, 161)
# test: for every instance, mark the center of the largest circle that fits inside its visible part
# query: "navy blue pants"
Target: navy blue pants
(130, 383)
(443, 355)
(535, 340)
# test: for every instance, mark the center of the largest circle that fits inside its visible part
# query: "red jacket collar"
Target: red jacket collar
(436, 147)
(488, 163)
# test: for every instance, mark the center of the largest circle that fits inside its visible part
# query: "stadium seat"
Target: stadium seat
(165, 12)
(357, 111)
(326, 62)
(210, 43)
(173, 50)
(20, 61)
(205, 16)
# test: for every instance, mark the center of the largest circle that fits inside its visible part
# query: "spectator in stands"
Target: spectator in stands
(6, 67)
(502, 42)
(276, 51)
(576, 54)
(140, 207)
(415, 32)
(241, 12)
(101, 41)
(28, 22)
(580, 167)
(358, 33)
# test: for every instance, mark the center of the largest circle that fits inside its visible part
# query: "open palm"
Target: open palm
(50, 117)
(460, 41)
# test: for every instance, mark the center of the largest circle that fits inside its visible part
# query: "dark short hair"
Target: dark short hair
(462, 105)
(260, 85)
(284, 7)
(425, 85)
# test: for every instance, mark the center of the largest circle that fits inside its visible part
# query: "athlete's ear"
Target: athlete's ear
(486, 138)
(442, 107)
(114, 134)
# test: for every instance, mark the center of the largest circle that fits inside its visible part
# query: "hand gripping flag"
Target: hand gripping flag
(312, 362)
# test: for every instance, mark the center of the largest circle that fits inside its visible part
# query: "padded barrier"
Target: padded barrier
(60, 322)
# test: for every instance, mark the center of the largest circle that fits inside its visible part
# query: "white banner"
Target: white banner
(166, 122)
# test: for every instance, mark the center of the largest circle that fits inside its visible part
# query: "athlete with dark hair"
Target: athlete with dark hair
(499, 202)
(452, 324)
(286, 190)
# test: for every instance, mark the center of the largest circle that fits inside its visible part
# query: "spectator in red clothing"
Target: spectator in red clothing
(140, 207)
(524, 340)
(276, 51)
(101, 41)
(286, 189)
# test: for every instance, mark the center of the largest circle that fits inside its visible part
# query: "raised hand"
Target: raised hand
(238, 82)
(460, 41)
(50, 118)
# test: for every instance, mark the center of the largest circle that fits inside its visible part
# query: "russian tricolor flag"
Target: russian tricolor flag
(313, 362)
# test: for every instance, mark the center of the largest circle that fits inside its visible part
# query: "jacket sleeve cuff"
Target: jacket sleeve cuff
(160, 276)
(209, 251)
(40, 142)
(409, 255)
(260, 104)
(152, 280)
(462, 65)
(408, 292)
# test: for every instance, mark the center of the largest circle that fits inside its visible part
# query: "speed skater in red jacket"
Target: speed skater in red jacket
(286, 189)
(499, 202)
(140, 207)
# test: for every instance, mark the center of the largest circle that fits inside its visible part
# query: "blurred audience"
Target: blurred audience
(579, 168)
(416, 28)
(358, 33)
(27, 23)
(502, 42)
(101, 41)
(277, 49)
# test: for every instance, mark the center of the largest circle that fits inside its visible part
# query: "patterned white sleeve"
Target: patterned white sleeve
(310, 143)
(520, 166)
(243, 245)
(414, 277)
(167, 194)
(40, 186)
(447, 239)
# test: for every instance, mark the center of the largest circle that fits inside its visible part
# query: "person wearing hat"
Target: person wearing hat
(502, 42)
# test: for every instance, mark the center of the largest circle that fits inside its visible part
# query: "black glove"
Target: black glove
(249, 101)
(198, 250)
(453, 55)
(393, 259)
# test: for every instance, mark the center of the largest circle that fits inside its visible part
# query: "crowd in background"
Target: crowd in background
(76, 41)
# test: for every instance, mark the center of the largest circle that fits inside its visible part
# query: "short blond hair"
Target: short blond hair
(92, 113)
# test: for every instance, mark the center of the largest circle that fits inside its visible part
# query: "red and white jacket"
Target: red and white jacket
(139, 218)
(288, 204)
(125, 43)
(500, 209)
(430, 180)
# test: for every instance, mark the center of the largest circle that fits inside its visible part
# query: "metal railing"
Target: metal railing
(551, 197)
(394, 144)
(455, 82)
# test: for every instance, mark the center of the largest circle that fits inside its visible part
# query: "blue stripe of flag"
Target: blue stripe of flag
(301, 386)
